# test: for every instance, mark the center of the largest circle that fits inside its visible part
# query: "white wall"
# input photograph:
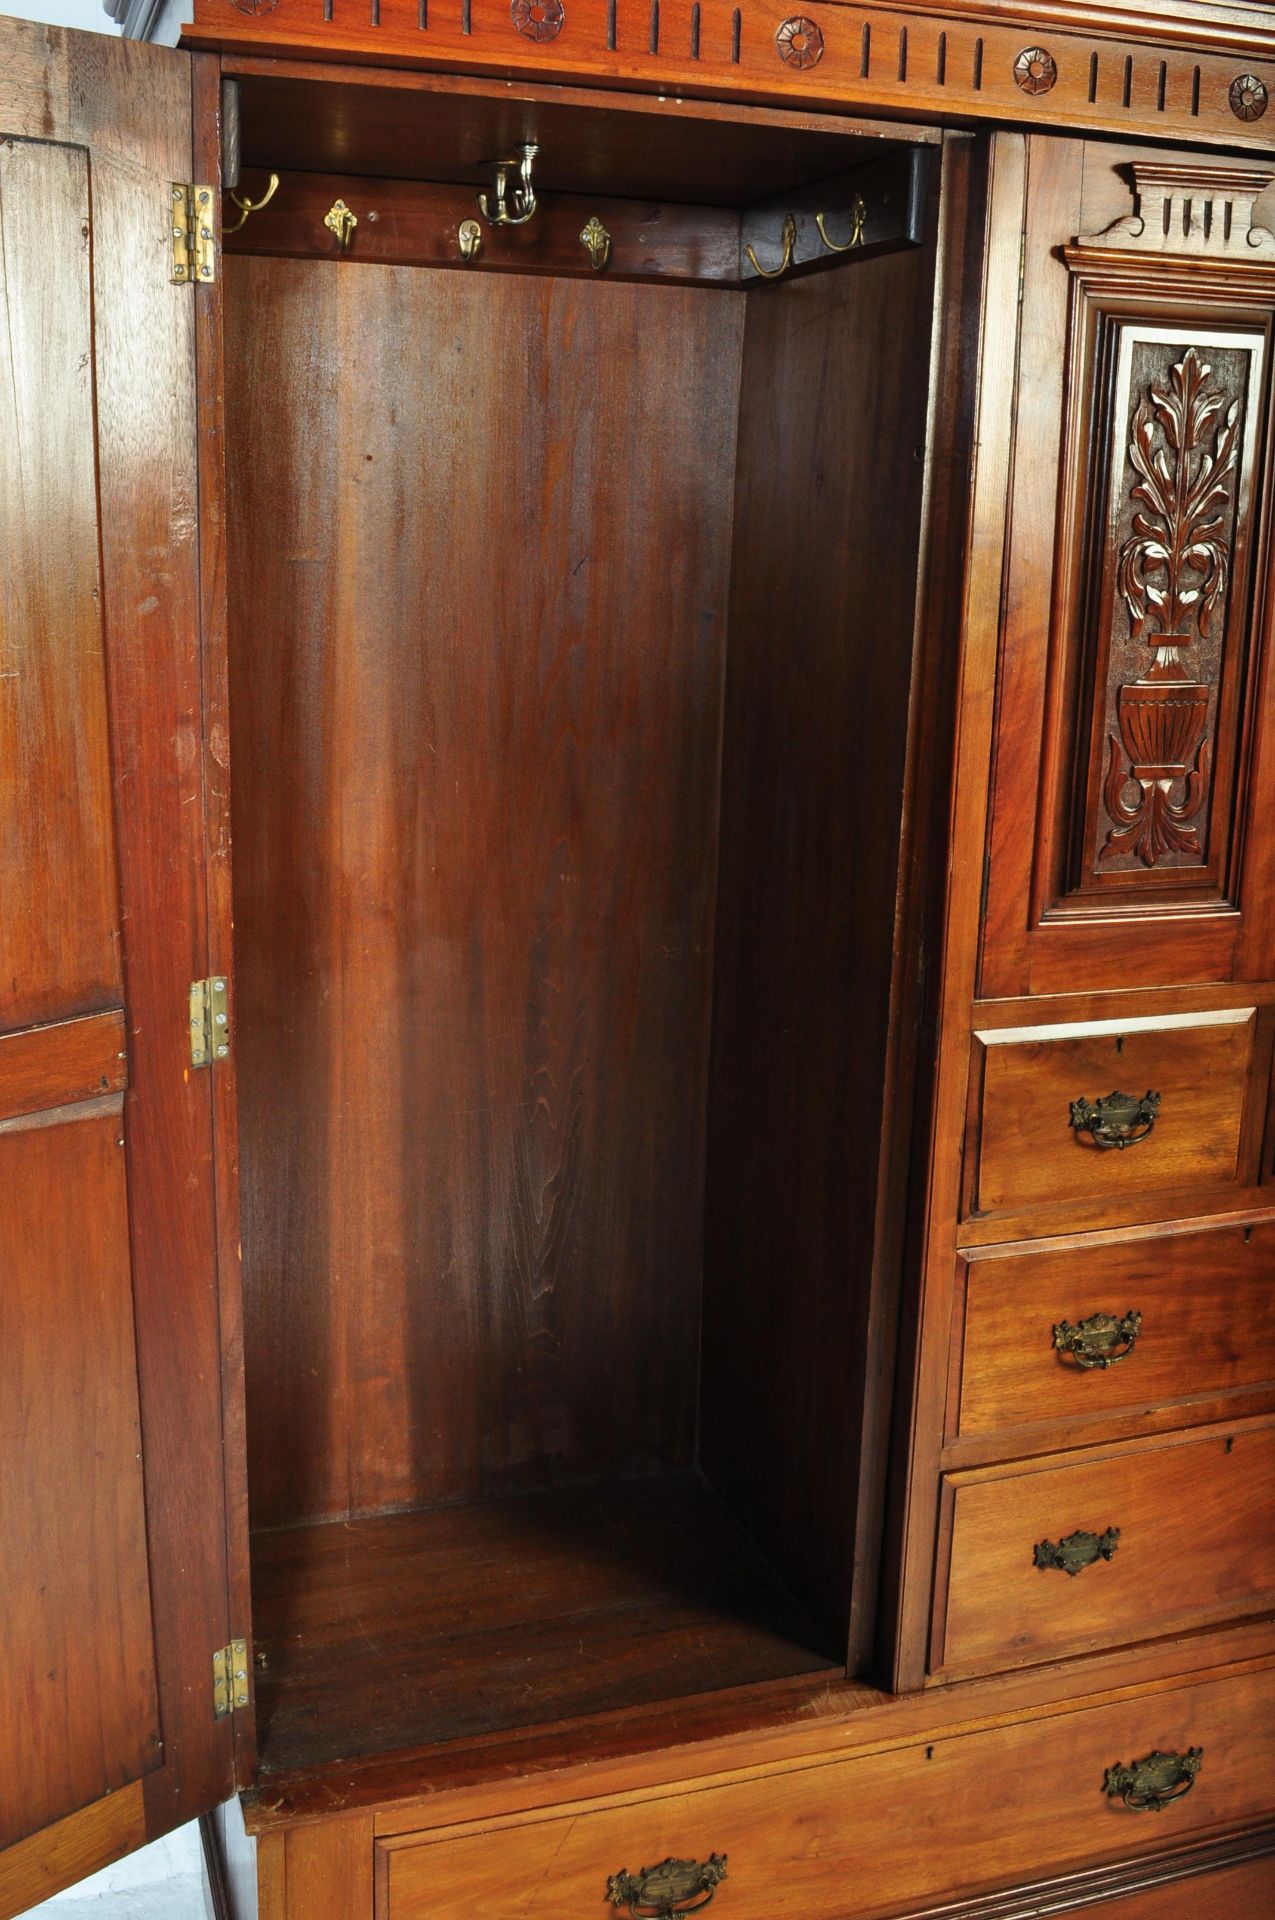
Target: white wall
(88, 14)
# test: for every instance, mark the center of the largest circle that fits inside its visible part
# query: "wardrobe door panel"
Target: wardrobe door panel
(113, 1584)
(1131, 780)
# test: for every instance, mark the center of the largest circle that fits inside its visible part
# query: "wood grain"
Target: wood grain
(80, 1717)
(59, 932)
(1208, 1326)
(475, 819)
(34, 1870)
(1194, 1546)
(473, 1620)
(58, 1065)
(829, 1841)
(834, 387)
(1028, 1151)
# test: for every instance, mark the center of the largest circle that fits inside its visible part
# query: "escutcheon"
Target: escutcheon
(672, 1887)
(1154, 1782)
(1078, 1551)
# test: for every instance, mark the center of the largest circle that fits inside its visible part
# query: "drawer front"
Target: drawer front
(875, 1835)
(1195, 1544)
(1030, 1150)
(1113, 1326)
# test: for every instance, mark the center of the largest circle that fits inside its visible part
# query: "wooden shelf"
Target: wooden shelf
(420, 1628)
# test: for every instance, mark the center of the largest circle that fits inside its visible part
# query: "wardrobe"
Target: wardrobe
(637, 958)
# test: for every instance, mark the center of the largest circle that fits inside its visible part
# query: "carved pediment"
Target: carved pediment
(1190, 207)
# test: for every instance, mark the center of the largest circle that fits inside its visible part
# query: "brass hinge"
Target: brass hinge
(194, 242)
(209, 1020)
(230, 1678)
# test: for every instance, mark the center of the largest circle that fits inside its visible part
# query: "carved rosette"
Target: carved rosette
(1173, 573)
(538, 20)
(254, 6)
(1035, 70)
(1248, 97)
(799, 42)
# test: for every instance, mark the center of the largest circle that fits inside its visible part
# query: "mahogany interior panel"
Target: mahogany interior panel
(449, 127)
(479, 536)
(417, 1628)
(823, 603)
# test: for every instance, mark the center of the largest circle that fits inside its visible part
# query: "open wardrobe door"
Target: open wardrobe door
(117, 1601)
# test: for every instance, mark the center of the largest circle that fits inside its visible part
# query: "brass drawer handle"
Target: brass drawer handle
(1117, 1120)
(1153, 1783)
(1077, 1551)
(673, 1887)
(1100, 1340)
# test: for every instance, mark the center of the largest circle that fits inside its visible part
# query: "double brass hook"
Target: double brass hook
(506, 206)
(858, 221)
(247, 206)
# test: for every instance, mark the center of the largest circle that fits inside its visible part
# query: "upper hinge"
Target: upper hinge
(230, 1678)
(209, 1020)
(194, 242)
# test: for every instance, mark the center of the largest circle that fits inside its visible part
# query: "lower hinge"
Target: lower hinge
(209, 1020)
(230, 1678)
(194, 240)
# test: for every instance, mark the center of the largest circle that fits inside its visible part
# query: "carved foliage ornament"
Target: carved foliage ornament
(799, 42)
(1173, 573)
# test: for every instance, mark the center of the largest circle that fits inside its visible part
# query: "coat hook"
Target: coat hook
(789, 243)
(503, 208)
(596, 242)
(470, 236)
(342, 223)
(247, 206)
(858, 216)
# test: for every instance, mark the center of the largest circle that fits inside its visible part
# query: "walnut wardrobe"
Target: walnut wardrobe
(637, 957)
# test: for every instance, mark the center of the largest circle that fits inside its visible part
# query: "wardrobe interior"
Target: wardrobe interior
(573, 630)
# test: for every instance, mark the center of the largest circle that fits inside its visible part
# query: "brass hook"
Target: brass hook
(859, 216)
(789, 244)
(504, 209)
(342, 223)
(596, 242)
(247, 206)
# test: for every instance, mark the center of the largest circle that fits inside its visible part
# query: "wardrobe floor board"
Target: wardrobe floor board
(410, 1629)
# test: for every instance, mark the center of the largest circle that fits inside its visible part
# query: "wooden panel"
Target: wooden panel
(1223, 1894)
(841, 1840)
(1169, 78)
(511, 1614)
(1130, 747)
(477, 636)
(128, 109)
(59, 938)
(34, 1870)
(1207, 1325)
(834, 389)
(1194, 1546)
(55, 1066)
(79, 1717)
(1028, 1151)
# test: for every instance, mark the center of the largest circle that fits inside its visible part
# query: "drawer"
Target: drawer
(1204, 1324)
(878, 1834)
(1195, 1545)
(1032, 1086)
(1243, 1892)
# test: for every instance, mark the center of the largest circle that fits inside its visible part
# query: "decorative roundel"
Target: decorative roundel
(538, 19)
(255, 6)
(1248, 97)
(799, 42)
(1035, 70)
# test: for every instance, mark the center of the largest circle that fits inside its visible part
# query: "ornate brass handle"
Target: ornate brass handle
(1077, 1551)
(1117, 1120)
(1100, 1340)
(1151, 1784)
(673, 1887)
